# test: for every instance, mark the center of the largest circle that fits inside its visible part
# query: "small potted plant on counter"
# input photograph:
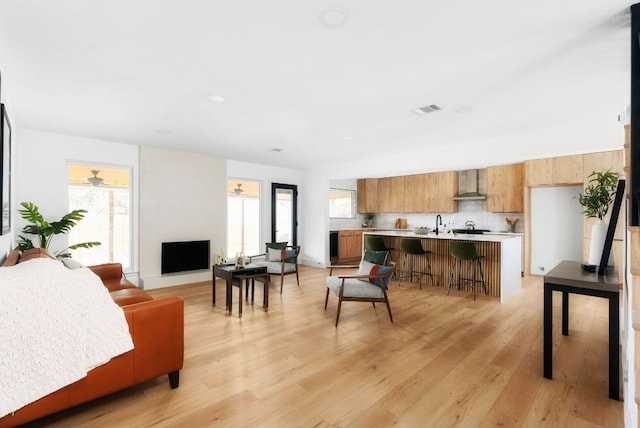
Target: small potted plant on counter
(369, 220)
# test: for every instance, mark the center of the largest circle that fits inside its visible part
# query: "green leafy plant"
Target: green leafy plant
(45, 231)
(598, 194)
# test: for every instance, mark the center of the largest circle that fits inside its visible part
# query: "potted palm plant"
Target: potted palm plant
(45, 231)
(596, 200)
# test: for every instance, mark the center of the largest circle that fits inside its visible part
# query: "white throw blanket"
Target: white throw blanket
(56, 324)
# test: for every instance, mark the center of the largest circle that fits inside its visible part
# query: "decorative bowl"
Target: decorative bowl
(421, 230)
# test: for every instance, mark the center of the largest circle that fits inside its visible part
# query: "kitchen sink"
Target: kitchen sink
(471, 231)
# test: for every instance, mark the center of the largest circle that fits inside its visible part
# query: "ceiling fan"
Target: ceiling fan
(238, 190)
(95, 180)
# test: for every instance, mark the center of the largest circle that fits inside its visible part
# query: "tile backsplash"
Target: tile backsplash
(475, 211)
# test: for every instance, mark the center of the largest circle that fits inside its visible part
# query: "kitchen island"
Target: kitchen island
(501, 258)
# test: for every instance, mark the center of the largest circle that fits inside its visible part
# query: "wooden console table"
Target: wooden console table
(569, 277)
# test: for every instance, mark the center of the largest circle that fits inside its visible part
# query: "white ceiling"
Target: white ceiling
(140, 71)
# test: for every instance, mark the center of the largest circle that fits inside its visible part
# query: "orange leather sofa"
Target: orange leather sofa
(157, 329)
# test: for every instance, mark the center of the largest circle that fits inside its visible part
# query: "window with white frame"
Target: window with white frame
(342, 203)
(243, 217)
(105, 193)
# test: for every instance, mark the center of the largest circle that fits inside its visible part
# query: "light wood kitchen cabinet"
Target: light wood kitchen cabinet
(442, 188)
(391, 194)
(567, 170)
(538, 172)
(349, 245)
(414, 193)
(558, 171)
(430, 192)
(505, 184)
(602, 162)
(367, 189)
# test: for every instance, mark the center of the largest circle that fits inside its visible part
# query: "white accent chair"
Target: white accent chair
(280, 259)
(370, 284)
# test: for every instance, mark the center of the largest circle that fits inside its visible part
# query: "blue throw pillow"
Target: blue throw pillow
(288, 254)
(371, 269)
(382, 270)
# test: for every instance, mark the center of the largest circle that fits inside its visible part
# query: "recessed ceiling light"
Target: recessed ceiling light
(276, 149)
(347, 138)
(333, 17)
(216, 98)
(463, 109)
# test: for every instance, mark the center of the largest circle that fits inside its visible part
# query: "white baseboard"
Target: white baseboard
(173, 279)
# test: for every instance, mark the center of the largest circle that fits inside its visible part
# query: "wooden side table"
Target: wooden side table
(231, 274)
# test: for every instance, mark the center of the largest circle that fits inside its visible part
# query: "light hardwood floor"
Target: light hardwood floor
(445, 361)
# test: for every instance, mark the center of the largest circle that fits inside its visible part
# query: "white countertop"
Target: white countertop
(487, 237)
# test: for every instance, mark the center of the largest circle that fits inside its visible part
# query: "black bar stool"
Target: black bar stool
(413, 247)
(461, 252)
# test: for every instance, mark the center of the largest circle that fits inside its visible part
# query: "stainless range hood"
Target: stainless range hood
(468, 186)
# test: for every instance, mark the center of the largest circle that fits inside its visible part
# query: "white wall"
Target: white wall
(556, 227)
(315, 209)
(183, 197)
(41, 174)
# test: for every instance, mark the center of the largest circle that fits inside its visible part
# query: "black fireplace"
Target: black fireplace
(185, 256)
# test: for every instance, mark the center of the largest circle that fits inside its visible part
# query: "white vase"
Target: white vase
(598, 236)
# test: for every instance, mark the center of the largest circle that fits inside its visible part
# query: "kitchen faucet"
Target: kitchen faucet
(438, 217)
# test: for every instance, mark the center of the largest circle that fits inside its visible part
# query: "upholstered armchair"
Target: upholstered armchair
(369, 284)
(280, 259)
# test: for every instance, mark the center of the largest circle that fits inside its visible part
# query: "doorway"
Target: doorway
(284, 213)
(556, 227)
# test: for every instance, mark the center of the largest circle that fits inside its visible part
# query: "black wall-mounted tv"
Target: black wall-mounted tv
(184, 256)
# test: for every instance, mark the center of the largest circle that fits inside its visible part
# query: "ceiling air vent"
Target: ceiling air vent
(427, 109)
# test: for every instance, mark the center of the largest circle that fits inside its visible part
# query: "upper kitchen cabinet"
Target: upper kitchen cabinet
(558, 171)
(568, 169)
(367, 196)
(443, 186)
(391, 194)
(505, 188)
(602, 162)
(538, 172)
(414, 193)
